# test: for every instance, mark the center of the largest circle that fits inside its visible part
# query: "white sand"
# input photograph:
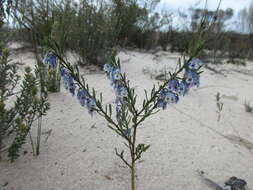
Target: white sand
(184, 138)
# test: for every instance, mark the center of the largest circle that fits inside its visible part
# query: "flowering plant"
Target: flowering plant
(128, 117)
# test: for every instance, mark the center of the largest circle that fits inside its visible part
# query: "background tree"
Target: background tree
(217, 45)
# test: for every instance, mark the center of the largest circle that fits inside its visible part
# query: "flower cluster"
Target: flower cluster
(82, 95)
(113, 73)
(51, 60)
(68, 82)
(85, 100)
(176, 88)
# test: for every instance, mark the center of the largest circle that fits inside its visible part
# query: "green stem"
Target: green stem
(132, 150)
(31, 139)
(38, 136)
(133, 175)
(1, 144)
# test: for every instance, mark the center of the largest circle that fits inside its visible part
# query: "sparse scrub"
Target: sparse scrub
(93, 29)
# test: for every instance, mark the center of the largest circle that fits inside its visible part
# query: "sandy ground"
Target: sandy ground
(79, 154)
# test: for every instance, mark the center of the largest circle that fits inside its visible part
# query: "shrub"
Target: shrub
(94, 34)
(248, 107)
(30, 104)
(45, 20)
(87, 28)
(34, 16)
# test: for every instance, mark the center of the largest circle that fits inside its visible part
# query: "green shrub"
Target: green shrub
(29, 105)
(94, 33)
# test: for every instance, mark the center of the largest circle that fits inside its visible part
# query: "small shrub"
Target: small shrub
(219, 105)
(248, 108)
(16, 120)
(236, 61)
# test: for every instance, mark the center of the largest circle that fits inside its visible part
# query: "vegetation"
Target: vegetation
(30, 104)
(94, 30)
(248, 107)
(20, 105)
(128, 116)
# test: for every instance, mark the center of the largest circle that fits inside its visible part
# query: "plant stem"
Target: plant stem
(38, 136)
(31, 139)
(132, 150)
(1, 144)
(133, 175)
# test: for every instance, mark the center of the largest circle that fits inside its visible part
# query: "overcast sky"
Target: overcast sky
(175, 5)
(212, 4)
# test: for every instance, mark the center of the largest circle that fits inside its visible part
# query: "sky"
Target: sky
(175, 5)
(212, 4)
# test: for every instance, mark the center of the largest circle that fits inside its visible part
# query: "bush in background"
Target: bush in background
(94, 34)
(93, 29)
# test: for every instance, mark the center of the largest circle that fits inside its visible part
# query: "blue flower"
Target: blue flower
(72, 85)
(116, 75)
(163, 93)
(69, 84)
(166, 97)
(91, 104)
(109, 71)
(173, 85)
(62, 71)
(82, 96)
(171, 97)
(115, 85)
(110, 76)
(121, 91)
(195, 64)
(108, 68)
(118, 107)
(182, 88)
(161, 103)
(192, 78)
(51, 60)
(196, 83)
